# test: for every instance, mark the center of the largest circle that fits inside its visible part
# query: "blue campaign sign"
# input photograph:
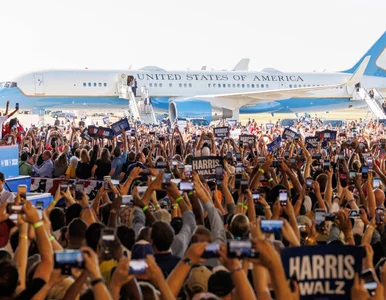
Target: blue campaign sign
(325, 271)
(274, 146)
(288, 134)
(118, 126)
(9, 161)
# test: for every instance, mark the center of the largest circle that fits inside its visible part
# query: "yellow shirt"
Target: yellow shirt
(72, 172)
(105, 267)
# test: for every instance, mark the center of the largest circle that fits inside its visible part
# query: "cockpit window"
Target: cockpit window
(9, 84)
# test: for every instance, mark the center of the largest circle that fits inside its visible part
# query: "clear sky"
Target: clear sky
(296, 35)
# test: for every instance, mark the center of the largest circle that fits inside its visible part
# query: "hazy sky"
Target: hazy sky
(296, 35)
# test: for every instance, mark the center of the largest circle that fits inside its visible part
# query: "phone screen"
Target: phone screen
(283, 197)
(370, 163)
(370, 282)
(127, 200)
(70, 258)
(271, 226)
(188, 171)
(137, 267)
(238, 156)
(186, 186)
(241, 249)
(211, 251)
(166, 180)
(107, 244)
(219, 173)
(376, 183)
(309, 182)
(320, 217)
(141, 189)
(22, 190)
(355, 214)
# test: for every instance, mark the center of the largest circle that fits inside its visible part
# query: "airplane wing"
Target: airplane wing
(243, 65)
(236, 100)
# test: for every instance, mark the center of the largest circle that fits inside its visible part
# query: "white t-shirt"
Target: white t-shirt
(2, 121)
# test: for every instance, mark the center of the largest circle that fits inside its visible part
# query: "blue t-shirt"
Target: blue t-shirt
(117, 164)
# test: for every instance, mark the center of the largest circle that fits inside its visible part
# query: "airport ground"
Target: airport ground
(347, 115)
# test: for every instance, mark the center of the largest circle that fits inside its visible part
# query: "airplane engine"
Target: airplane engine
(197, 109)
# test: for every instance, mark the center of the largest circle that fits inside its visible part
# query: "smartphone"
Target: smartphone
(351, 176)
(238, 156)
(188, 171)
(341, 156)
(219, 174)
(14, 209)
(107, 244)
(379, 216)
(186, 186)
(141, 189)
(261, 159)
(106, 182)
(137, 266)
(376, 182)
(127, 200)
(255, 195)
(166, 180)
(365, 172)
(316, 156)
(229, 156)
(355, 213)
(241, 249)
(68, 259)
(309, 182)
(370, 163)
(144, 172)
(370, 282)
(275, 164)
(243, 185)
(320, 217)
(343, 179)
(79, 188)
(22, 191)
(239, 168)
(211, 251)
(161, 165)
(39, 204)
(302, 228)
(293, 162)
(283, 197)
(326, 165)
(286, 154)
(271, 226)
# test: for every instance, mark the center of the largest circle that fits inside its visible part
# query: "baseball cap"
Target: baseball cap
(198, 279)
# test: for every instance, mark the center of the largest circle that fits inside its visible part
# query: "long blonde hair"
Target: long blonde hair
(84, 157)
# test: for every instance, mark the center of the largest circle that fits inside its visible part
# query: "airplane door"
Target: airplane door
(283, 85)
(39, 84)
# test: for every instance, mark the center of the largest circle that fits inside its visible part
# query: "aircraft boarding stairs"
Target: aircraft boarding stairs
(374, 104)
(138, 111)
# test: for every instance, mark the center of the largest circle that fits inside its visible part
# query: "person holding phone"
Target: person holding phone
(5, 196)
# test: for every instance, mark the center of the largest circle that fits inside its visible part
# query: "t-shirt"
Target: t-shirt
(6, 196)
(25, 168)
(117, 164)
(166, 262)
(103, 169)
(106, 267)
(83, 171)
(72, 172)
(32, 288)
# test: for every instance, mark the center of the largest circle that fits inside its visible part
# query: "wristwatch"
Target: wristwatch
(188, 261)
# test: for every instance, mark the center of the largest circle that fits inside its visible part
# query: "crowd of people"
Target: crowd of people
(160, 229)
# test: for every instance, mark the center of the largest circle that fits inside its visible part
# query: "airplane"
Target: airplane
(205, 94)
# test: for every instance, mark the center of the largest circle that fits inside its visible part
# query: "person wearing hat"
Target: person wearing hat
(4, 195)
(197, 281)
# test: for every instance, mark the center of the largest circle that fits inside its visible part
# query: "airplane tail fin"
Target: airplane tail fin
(377, 63)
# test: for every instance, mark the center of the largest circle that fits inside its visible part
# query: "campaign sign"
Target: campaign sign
(220, 132)
(85, 135)
(245, 138)
(206, 165)
(312, 142)
(323, 272)
(232, 122)
(288, 134)
(9, 161)
(105, 133)
(327, 135)
(269, 126)
(118, 126)
(92, 130)
(274, 146)
(106, 120)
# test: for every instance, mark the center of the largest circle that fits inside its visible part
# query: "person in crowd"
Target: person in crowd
(102, 165)
(5, 117)
(71, 169)
(384, 106)
(328, 193)
(46, 168)
(371, 93)
(24, 167)
(60, 165)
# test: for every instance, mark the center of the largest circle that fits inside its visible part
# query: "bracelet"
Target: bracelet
(348, 236)
(51, 238)
(270, 180)
(96, 281)
(235, 270)
(190, 193)
(157, 206)
(86, 207)
(240, 203)
(145, 208)
(267, 207)
(38, 224)
(23, 236)
(245, 207)
(179, 199)
(175, 205)
(113, 211)
(261, 171)
(54, 202)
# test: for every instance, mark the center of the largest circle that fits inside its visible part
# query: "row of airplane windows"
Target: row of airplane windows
(90, 84)
(236, 85)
